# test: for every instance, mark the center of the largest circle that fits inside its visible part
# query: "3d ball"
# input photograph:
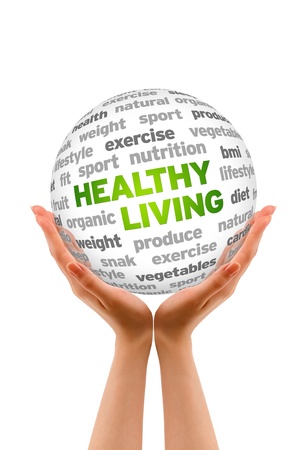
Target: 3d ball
(153, 190)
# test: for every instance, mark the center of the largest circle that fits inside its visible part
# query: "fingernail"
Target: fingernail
(74, 269)
(33, 209)
(232, 268)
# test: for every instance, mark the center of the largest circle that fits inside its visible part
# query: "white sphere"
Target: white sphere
(153, 190)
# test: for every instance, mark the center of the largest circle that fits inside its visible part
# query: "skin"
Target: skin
(119, 422)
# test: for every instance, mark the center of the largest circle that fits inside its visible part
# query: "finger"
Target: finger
(224, 257)
(55, 243)
(266, 211)
(244, 258)
(250, 247)
(215, 283)
(92, 283)
(62, 258)
(91, 288)
(40, 211)
(73, 240)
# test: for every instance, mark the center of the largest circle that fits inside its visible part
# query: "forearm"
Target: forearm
(186, 417)
(119, 421)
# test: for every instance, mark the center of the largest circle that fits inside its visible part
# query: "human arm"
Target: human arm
(187, 421)
(119, 421)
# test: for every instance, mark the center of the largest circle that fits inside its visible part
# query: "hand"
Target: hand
(178, 316)
(129, 317)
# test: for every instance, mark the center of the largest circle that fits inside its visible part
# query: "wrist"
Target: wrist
(140, 343)
(172, 343)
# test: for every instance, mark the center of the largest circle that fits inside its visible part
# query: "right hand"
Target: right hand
(129, 317)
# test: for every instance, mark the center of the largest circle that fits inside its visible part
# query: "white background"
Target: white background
(60, 59)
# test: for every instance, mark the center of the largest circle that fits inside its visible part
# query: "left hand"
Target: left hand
(178, 316)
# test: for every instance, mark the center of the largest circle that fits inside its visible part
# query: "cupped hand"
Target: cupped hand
(178, 316)
(129, 317)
